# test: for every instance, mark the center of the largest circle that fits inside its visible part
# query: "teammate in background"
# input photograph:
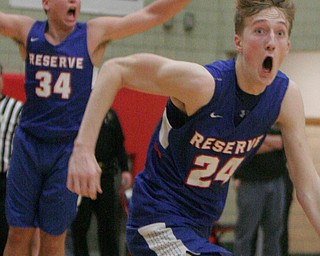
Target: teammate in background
(10, 110)
(216, 118)
(112, 158)
(60, 56)
(260, 199)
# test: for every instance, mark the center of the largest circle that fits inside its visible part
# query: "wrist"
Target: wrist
(81, 146)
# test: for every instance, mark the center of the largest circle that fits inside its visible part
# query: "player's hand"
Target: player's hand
(84, 174)
(126, 180)
(236, 183)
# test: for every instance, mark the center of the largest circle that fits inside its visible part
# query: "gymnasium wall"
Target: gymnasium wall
(210, 39)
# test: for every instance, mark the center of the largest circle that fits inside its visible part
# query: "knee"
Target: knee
(51, 244)
(20, 234)
(20, 238)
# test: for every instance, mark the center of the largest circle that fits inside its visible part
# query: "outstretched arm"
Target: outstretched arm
(156, 13)
(188, 84)
(16, 27)
(102, 30)
(301, 168)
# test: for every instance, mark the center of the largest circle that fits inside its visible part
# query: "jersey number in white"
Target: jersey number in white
(202, 177)
(62, 85)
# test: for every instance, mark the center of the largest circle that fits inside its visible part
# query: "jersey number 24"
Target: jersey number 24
(207, 166)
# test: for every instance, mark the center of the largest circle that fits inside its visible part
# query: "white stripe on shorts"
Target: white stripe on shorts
(79, 200)
(162, 240)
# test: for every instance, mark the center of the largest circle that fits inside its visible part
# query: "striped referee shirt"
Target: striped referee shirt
(10, 110)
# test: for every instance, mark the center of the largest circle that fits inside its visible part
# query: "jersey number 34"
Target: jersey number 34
(62, 85)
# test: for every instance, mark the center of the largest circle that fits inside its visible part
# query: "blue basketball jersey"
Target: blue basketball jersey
(58, 83)
(188, 168)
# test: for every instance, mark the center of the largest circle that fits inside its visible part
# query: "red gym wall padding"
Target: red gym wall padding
(13, 85)
(139, 113)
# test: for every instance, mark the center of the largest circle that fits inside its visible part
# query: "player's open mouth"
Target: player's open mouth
(71, 12)
(267, 64)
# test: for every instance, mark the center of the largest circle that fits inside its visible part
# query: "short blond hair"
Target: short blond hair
(248, 8)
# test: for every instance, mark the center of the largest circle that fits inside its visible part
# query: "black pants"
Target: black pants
(107, 224)
(3, 222)
(288, 200)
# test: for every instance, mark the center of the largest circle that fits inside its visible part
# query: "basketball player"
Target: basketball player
(60, 56)
(215, 119)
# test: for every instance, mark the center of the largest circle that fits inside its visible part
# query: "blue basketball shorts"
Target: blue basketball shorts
(37, 194)
(158, 240)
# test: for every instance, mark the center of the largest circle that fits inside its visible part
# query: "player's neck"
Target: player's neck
(56, 35)
(246, 83)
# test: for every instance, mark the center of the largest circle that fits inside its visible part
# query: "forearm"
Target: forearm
(101, 99)
(154, 14)
(163, 10)
(305, 178)
(310, 202)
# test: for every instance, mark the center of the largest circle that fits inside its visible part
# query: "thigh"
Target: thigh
(273, 216)
(23, 183)
(158, 240)
(250, 202)
(57, 204)
(250, 197)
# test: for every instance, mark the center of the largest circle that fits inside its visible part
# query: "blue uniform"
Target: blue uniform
(183, 187)
(58, 83)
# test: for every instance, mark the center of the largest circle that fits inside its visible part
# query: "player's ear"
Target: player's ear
(238, 43)
(288, 47)
(45, 5)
